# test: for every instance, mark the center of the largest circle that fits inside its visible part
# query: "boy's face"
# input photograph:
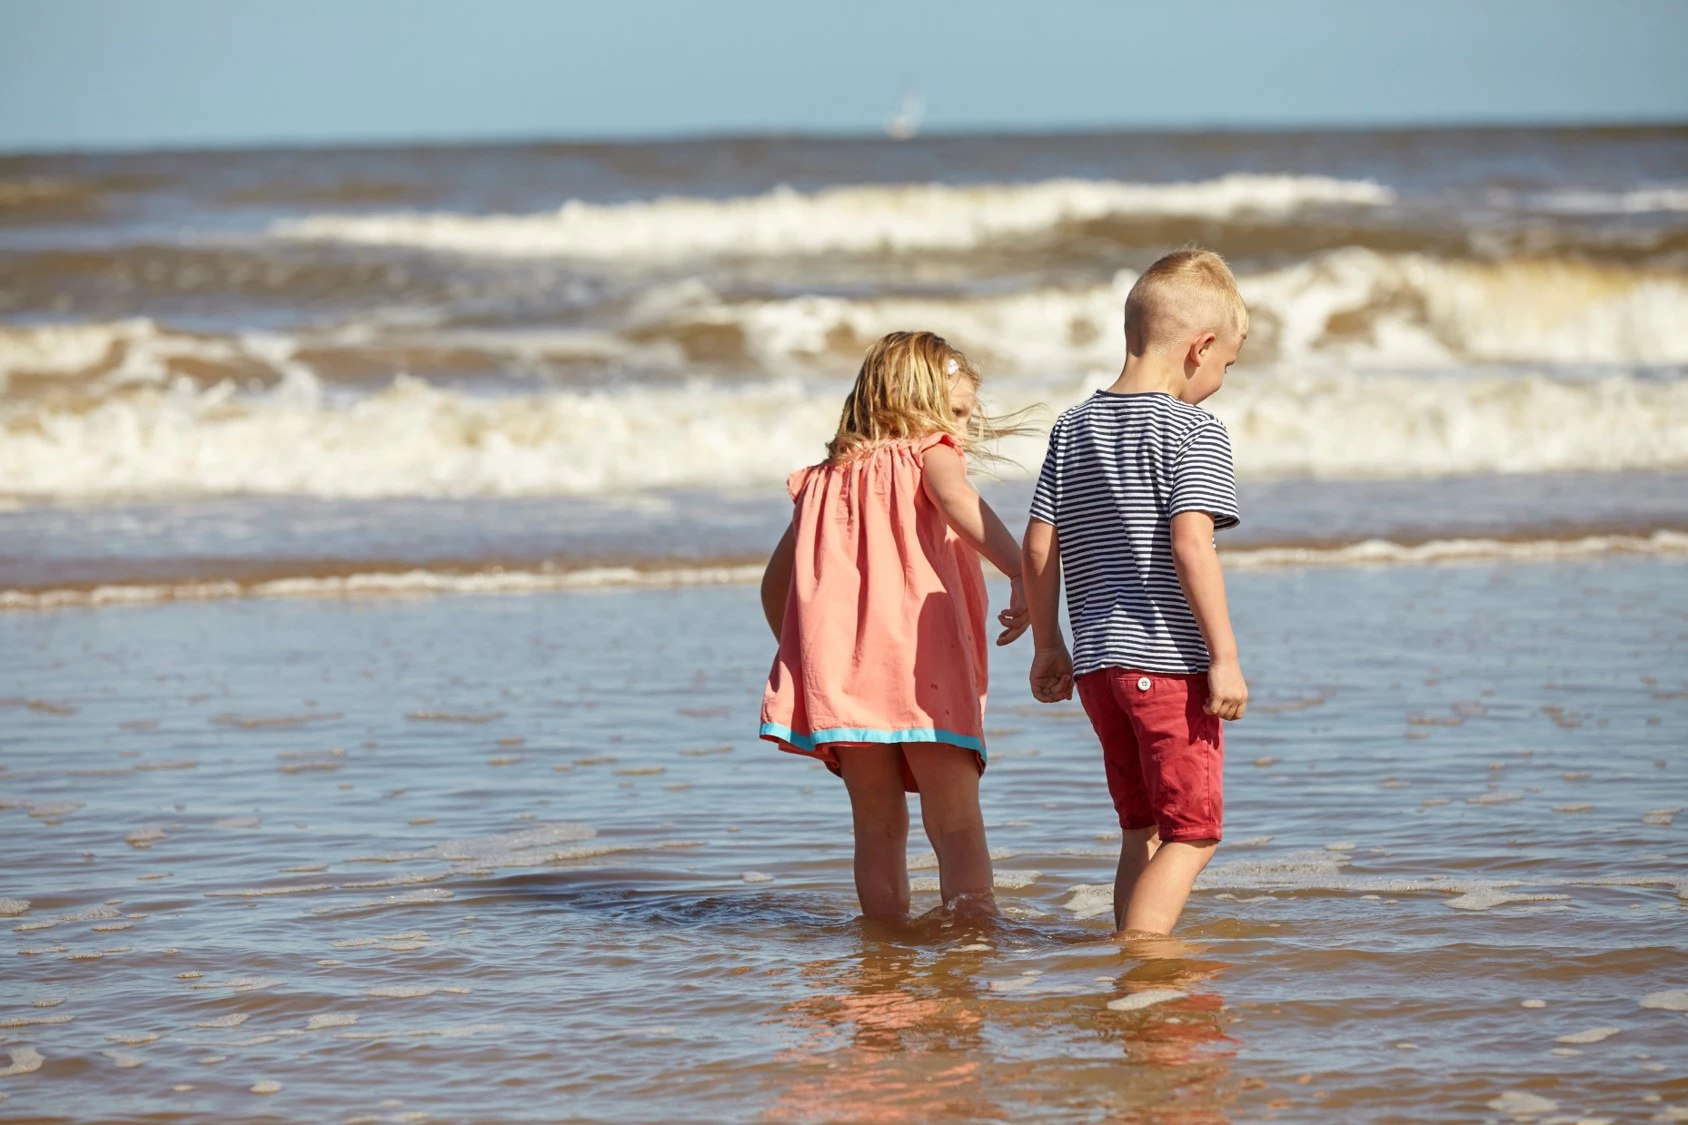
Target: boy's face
(1212, 360)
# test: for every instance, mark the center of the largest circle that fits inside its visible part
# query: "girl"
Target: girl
(878, 601)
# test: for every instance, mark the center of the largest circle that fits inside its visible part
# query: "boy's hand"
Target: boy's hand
(1052, 674)
(1227, 694)
(1016, 619)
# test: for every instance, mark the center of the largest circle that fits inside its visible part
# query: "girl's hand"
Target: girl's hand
(1016, 619)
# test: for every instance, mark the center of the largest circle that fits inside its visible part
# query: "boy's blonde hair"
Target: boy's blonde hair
(1183, 293)
(903, 391)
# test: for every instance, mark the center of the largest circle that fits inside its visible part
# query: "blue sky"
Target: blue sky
(138, 73)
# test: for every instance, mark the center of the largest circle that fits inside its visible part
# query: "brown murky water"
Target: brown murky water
(522, 859)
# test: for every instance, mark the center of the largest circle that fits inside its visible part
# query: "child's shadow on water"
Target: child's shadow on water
(649, 899)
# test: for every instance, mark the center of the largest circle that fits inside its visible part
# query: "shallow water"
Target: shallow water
(522, 859)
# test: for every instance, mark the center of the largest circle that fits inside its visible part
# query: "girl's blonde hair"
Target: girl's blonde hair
(903, 391)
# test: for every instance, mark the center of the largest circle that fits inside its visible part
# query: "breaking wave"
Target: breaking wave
(856, 219)
(417, 439)
(1359, 364)
(1637, 201)
(1353, 307)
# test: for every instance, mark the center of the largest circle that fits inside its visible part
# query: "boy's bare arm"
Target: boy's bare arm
(1199, 573)
(1052, 665)
(944, 479)
(776, 580)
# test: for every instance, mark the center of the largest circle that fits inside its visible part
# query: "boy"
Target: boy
(1137, 479)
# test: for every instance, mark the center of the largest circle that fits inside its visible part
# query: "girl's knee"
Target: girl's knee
(944, 767)
(873, 772)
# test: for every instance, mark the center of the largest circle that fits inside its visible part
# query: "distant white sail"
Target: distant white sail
(906, 122)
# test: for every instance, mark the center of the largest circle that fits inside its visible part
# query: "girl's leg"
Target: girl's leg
(949, 810)
(874, 777)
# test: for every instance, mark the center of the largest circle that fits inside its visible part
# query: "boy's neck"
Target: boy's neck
(1149, 373)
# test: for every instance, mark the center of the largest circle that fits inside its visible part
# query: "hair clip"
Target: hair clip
(950, 366)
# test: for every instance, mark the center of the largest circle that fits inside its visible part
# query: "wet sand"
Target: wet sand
(521, 859)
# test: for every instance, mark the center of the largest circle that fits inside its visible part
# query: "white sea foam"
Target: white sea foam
(1361, 365)
(1352, 306)
(1488, 897)
(1148, 998)
(415, 439)
(1090, 900)
(1588, 201)
(864, 218)
(411, 439)
(135, 351)
(1521, 1104)
(1670, 1000)
(1371, 552)
(25, 1060)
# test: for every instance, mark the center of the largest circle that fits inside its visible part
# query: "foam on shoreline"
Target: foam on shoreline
(503, 580)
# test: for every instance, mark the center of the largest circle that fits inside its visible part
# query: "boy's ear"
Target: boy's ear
(1199, 347)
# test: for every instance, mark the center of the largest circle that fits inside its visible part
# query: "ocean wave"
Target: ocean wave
(424, 582)
(1352, 306)
(114, 354)
(1359, 365)
(1384, 552)
(383, 583)
(418, 439)
(31, 198)
(1636, 201)
(96, 359)
(857, 219)
(410, 439)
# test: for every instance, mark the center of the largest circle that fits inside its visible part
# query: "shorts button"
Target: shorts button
(1143, 683)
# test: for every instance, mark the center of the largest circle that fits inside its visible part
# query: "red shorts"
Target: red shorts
(1165, 756)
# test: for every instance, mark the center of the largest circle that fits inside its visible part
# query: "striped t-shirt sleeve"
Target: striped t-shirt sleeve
(1202, 477)
(1043, 496)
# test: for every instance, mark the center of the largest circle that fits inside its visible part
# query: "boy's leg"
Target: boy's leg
(1158, 895)
(1183, 757)
(1136, 849)
(874, 777)
(1104, 695)
(948, 777)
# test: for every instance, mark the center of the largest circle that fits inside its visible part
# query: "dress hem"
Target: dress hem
(807, 743)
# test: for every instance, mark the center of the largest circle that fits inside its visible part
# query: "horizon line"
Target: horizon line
(424, 141)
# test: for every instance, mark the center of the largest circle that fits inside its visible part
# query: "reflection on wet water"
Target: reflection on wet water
(522, 859)
(911, 1030)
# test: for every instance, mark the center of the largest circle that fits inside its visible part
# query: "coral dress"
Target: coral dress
(884, 631)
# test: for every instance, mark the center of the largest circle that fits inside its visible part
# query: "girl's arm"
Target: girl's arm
(946, 484)
(776, 580)
(944, 480)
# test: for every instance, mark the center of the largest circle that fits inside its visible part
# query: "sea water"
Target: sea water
(380, 655)
(523, 859)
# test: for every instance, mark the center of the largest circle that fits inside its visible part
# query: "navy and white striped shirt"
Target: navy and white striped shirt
(1119, 467)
